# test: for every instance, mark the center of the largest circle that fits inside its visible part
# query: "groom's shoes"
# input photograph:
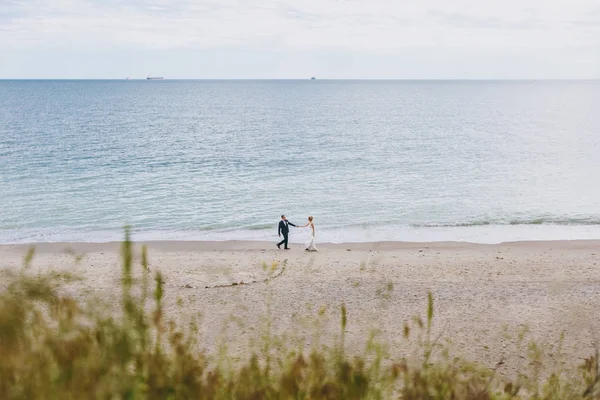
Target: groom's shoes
(279, 246)
(287, 248)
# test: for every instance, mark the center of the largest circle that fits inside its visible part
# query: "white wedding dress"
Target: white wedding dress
(310, 245)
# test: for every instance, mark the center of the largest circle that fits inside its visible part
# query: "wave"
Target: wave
(265, 227)
(575, 221)
(262, 227)
(229, 228)
(534, 221)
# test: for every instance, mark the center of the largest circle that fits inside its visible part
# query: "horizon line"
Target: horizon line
(302, 79)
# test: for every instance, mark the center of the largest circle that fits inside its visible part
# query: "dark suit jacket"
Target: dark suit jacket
(283, 227)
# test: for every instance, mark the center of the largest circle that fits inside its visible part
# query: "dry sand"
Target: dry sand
(480, 291)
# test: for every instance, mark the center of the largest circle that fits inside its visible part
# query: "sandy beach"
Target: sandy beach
(484, 294)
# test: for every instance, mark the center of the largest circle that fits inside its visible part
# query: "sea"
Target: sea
(473, 161)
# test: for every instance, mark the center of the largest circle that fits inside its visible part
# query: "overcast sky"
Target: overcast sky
(472, 39)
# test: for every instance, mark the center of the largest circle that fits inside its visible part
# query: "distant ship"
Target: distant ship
(313, 78)
(154, 77)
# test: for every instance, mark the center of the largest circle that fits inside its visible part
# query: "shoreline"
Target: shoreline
(197, 245)
(485, 234)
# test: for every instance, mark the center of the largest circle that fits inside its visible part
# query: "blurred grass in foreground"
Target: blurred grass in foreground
(54, 347)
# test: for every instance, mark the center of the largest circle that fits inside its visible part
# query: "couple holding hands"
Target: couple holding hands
(284, 230)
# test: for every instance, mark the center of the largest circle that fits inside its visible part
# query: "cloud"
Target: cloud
(292, 26)
(377, 25)
(467, 21)
(594, 23)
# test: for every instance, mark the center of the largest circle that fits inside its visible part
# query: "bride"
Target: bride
(310, 246)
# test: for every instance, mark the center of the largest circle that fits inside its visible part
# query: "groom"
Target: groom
(285, 230)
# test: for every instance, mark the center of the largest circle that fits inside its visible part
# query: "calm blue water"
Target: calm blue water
(475, 161)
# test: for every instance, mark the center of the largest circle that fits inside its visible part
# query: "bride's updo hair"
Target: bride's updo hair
(310, 218)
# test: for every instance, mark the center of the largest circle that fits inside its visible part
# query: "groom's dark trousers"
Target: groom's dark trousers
(284, 230)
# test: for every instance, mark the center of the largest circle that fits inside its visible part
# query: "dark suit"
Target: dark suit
(284, 230)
